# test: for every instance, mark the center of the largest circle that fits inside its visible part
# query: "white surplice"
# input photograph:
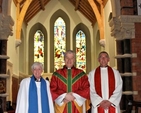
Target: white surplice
(114, 99)
(22, 98)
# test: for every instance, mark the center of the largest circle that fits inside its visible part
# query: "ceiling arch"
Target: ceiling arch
(91, 9)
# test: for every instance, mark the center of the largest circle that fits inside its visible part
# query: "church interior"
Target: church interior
(41, 30)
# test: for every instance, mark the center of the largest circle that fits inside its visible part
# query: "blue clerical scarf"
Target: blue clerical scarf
(33, 99)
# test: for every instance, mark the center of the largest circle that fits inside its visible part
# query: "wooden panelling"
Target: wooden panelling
(15, 87)
(79, 5)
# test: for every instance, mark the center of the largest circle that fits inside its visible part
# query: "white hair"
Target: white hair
(37, 64)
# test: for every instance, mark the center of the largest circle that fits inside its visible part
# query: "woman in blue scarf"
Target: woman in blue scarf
(34, 93)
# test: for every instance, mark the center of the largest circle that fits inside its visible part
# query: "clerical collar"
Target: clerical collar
(37, 80)
(68, 67)
(103, 66)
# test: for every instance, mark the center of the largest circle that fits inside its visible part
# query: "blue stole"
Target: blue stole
(33, 99)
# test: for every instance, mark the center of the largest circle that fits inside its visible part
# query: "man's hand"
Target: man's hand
(105, 104)
(69, 97)
(65, 101)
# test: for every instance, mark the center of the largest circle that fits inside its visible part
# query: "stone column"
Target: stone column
(123, 29)
(6, 24)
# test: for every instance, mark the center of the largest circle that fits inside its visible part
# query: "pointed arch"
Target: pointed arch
(64, 16)
(59, 43)
(80, 39)
(86, 31)
(34, 28)
(39, 46)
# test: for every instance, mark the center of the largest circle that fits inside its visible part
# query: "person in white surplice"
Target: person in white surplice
(105, 87)
(34, 94)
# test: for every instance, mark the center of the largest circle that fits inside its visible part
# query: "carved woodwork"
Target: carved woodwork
(91, 9)
(2, 86)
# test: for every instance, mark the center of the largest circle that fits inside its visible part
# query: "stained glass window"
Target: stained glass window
(39, 46)
(81, 50)
(59, 43)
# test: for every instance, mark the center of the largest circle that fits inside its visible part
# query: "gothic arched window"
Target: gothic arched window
(59, 43)
(81, 50)
(39, 46)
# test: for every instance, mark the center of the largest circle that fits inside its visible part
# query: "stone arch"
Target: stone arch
(33, 29)
(85, 29)
(64, 16)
